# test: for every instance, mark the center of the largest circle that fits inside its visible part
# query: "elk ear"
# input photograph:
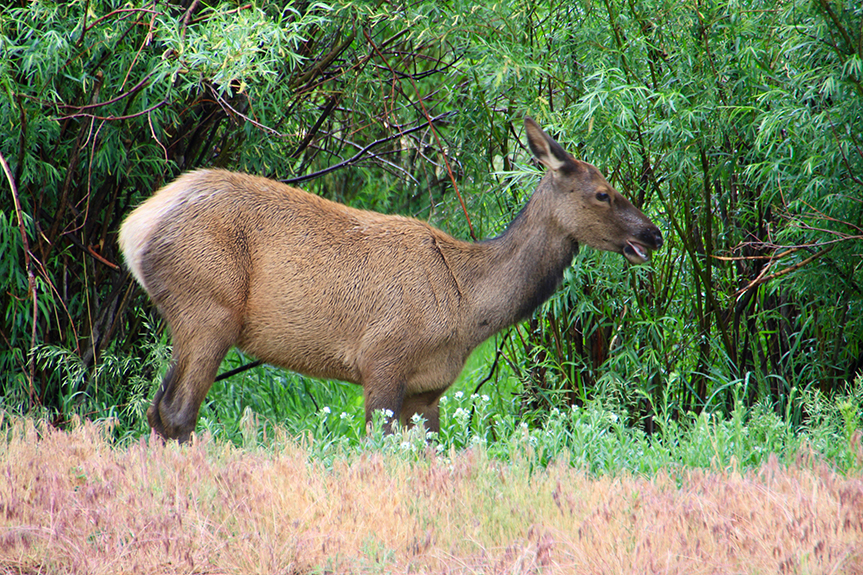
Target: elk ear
(546, 150)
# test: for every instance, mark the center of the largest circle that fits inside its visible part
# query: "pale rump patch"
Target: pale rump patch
(140, 225)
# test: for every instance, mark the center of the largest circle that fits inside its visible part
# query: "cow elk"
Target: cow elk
(387, 302)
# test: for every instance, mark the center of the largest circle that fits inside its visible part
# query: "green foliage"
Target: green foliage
(598, 436)
(595, 437)
(735, 125)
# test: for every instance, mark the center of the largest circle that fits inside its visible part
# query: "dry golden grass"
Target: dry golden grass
(72, 502)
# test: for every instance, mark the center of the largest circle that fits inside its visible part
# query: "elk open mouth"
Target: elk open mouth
(636, 252)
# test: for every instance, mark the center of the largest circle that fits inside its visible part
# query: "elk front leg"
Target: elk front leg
(383, 392)
(426, 405)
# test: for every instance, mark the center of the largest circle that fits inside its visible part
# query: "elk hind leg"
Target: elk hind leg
(198, 352)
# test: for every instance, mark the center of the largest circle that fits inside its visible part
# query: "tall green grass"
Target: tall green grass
(253, 408)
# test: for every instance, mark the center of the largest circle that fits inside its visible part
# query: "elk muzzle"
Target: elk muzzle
(638, 248)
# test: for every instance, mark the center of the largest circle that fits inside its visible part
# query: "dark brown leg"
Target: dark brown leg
(198, 352)
(426, 405)
(383, 391)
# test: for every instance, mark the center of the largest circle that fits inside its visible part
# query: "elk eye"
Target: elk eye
(603, 197)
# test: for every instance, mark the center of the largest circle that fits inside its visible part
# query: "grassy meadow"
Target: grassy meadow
(282, 477)
(580, 493)
(698, 414)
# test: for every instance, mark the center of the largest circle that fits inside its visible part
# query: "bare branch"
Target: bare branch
(131, 91)
(233, 110)
(115, 118)
(434, 133)
(762, 279)
(359, 155)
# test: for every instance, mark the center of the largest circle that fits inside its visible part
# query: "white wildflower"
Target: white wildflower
(477, 440)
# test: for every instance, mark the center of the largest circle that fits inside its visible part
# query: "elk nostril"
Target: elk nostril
(652, 237)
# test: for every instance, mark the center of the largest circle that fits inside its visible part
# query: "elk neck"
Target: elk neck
(504, 279)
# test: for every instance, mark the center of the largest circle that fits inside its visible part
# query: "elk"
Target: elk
(384, 301)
